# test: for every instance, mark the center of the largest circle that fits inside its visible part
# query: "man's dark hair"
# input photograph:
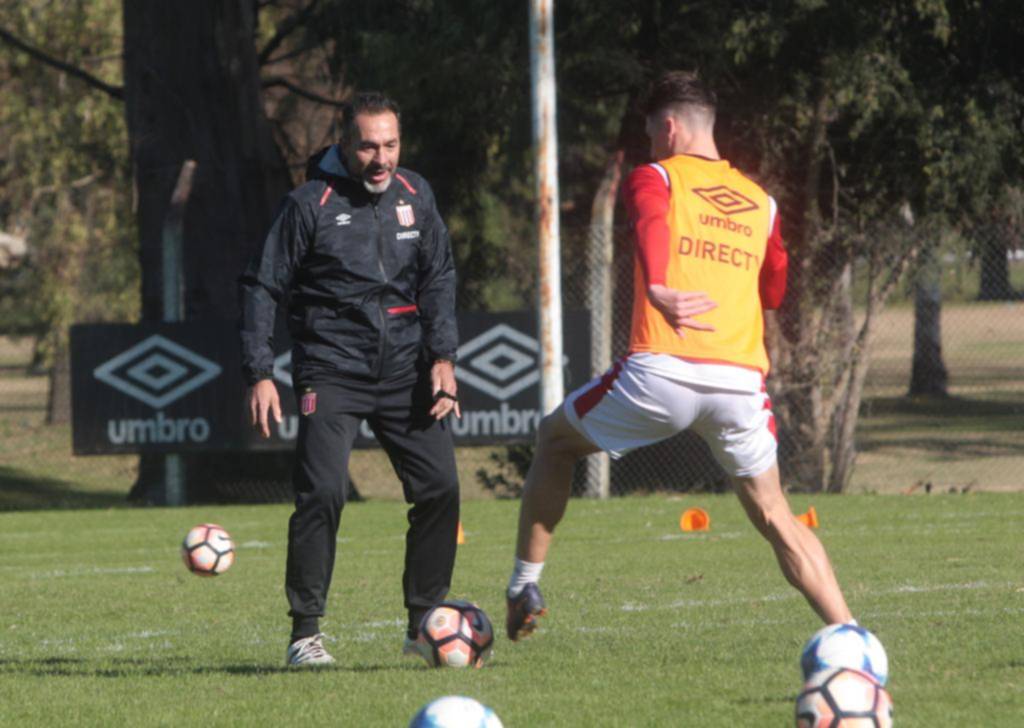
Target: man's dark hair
(683, 89)
(367, 102)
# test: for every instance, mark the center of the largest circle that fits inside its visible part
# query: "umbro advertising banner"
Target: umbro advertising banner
(178, 387)
(155, 387)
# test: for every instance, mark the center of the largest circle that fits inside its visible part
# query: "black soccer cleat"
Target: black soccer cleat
(523, 611)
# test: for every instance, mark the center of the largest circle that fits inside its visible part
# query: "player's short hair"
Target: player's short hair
(680, 90)
(367, 102)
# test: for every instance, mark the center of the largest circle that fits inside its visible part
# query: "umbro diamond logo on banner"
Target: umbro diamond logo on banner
(283, 368)
(500, 362)
(726, 201)
(157, 371)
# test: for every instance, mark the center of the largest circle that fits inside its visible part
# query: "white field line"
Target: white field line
(148, 634)
(794, 594)
(255, 545)
(381, 624)
(702, 536)
(58, 573)
(869, 616)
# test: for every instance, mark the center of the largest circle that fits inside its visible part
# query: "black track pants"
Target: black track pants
(421, 452)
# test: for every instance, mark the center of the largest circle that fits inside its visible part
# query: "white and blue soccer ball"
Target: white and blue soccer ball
(455, 711)
(845, 645)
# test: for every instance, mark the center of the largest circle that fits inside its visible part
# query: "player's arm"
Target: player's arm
(647, 202)
(263, 285)
(772, 279)
(436, 304)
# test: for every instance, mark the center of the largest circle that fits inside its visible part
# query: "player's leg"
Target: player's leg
(799, 552)
(325, 438)
(740, 429)
(545, 496)
(422, 453)
(548, 484)
(628, 406)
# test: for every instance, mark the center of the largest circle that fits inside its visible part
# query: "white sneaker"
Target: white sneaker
(308, 651)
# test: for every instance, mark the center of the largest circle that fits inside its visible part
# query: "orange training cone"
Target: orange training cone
(809, 519)
(460, 536)
(695, 519)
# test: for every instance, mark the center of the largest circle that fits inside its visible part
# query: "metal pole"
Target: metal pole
(173, 285)
(545, 144)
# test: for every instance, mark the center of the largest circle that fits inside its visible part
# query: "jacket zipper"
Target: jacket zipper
(380, 298)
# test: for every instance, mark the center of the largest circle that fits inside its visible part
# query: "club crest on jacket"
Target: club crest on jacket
(405, 215)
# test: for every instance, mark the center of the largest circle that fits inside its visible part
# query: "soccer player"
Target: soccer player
(709, 259)
(363, 258)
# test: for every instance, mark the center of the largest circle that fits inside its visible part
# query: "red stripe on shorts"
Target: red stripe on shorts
(593, 396)
(768, 406)
(402, 309)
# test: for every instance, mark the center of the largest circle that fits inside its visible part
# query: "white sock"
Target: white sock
(525, 572)
(853, 622)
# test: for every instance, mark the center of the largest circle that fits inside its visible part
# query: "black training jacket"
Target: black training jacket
(369, 279)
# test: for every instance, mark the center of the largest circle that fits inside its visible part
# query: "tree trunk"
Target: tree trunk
(995, 269)
(928, 375)
(600, 257)
(844, 445)
(192, 91)
(882, 280)
(58, 398)
(854, 358)
(799, 407)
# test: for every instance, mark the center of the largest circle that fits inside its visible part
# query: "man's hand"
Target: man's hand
(264, 400)
(444, 389)
(680, 307)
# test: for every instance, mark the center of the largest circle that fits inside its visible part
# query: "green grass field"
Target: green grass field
(100, 624)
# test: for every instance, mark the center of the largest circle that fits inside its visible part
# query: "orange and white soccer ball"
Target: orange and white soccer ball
(455, 634)
(843, 698)
(208, 550)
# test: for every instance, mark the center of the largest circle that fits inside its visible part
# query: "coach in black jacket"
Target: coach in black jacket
(363, 260)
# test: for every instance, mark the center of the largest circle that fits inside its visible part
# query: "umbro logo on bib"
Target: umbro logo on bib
(725, 200)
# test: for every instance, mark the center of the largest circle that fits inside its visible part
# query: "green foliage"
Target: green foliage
(647, 627)
(849, 112)
(65, 174)
(461, 72)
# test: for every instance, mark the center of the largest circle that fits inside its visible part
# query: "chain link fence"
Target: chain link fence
(942, 405)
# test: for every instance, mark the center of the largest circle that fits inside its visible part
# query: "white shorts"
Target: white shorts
(633, 404)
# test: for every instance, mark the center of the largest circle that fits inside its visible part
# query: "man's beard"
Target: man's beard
(376, 188)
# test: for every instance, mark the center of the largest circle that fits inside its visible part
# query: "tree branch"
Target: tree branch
(116, 92)
(285, 29)
(280, 81)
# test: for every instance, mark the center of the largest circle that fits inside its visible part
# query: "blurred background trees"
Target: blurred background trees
(65, 182)
(890, 133)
